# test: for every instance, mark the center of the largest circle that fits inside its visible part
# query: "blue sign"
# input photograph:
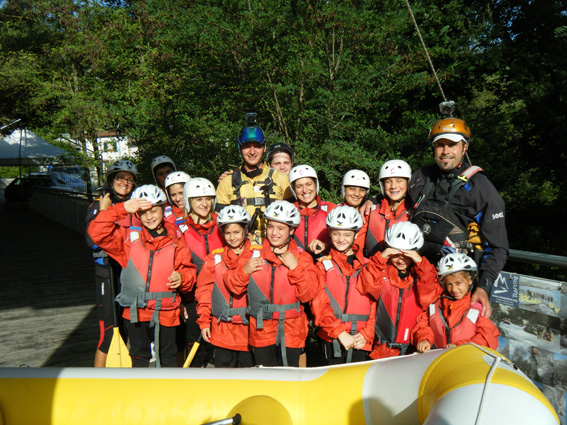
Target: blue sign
(506, 290)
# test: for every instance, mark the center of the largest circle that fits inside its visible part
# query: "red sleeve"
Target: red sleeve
(203, 293)
(486, 334)
(184, 265)
(360, 241)
(428, 286)
(422, 330)
(321, 308)
(368, 331)
(371, 278)
(305, 277)
(110, 236)
(235, 279)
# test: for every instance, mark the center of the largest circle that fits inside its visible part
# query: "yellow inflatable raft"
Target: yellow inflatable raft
(463, 385)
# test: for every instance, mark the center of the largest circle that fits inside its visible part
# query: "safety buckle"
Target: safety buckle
(463, 178)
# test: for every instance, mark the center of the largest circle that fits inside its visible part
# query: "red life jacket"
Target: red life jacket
(270, 294)
(396, 314)
(201, 245)
(225, 306)
(313, 227)
(463, 330)
(144, 280)
(349, 305)
(379, 223)
(171, 216)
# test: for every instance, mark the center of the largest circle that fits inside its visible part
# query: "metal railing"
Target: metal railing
(538, 258)
(63, 207)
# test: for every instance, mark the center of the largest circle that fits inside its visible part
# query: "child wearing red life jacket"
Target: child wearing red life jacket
(393, 207)
(175, 209)
(277, 279)
(311, 234)
(202, 236)
(222, 314)
(344, 315)
(156, 266)
(354, 190)
(452, 320)
(404, 283)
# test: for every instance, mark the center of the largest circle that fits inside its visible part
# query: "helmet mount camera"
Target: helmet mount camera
(447, 108)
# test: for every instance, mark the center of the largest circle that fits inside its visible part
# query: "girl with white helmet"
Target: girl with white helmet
(345, 316)
(404, 283)
(355, 187)
(161, 167)
(202, 235)
(278, 277)
(222, 314)
(121, 179)
(157, 269)
(452, 320)
(312, 233)
(393, 206)
(175, 208)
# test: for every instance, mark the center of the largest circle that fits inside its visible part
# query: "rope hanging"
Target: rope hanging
(426, 51)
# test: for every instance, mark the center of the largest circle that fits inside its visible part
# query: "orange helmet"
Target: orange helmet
(455, 128)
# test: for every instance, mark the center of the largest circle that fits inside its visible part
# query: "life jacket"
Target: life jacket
(171, 216)
(311, 227)
(349, 305)
(225, 306)
(200, 244)
(396, 314)
(439, 223)
(464, 329)
(378, 225)
(272, 296)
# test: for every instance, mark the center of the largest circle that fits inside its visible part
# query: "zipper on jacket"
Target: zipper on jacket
(149, 270)
(306, 228)
(272, 284)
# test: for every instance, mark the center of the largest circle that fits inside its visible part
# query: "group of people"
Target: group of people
(252, 265)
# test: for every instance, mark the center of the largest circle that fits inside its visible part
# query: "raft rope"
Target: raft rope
(425, 49)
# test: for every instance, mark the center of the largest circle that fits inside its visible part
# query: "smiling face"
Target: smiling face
(176, 195)
(457, 284)
(161, 172)
(252, 154)
(342, 240)
(152, 219)
(401, 262)
(306, 191)
(201, 206)
(395, 188)
(354, 195)
(123, 183)
(449, 154)
(281, 161)
(278, 233)
(234, 234)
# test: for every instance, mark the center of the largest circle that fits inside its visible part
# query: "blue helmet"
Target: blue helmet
(251, 134)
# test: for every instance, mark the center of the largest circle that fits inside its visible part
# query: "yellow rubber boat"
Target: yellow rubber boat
(463, 385)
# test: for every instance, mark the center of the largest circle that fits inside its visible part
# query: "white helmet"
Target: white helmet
(404, 235)
(456, 262)
(174, 178)
(344, 218)
(394, 168)
(121, 165)
(355, 178)
(196, 187)
(150, 193)
(300, 171)
(233, 214)
(162, 159)
(283, 212)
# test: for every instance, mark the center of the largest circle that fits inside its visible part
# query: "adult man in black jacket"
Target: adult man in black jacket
(458, 208)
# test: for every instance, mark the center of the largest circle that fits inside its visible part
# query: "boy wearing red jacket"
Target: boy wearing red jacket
(404, 283)
(277, 278)
(156, 266)
(452, 320)
(222, 315)
(342, 312)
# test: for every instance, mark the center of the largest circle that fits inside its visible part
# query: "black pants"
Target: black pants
(232, 358)
(141, 336)
(272, 356)
(330, 359)
(205, 353)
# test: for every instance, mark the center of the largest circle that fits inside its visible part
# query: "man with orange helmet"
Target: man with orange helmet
(458, 208)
